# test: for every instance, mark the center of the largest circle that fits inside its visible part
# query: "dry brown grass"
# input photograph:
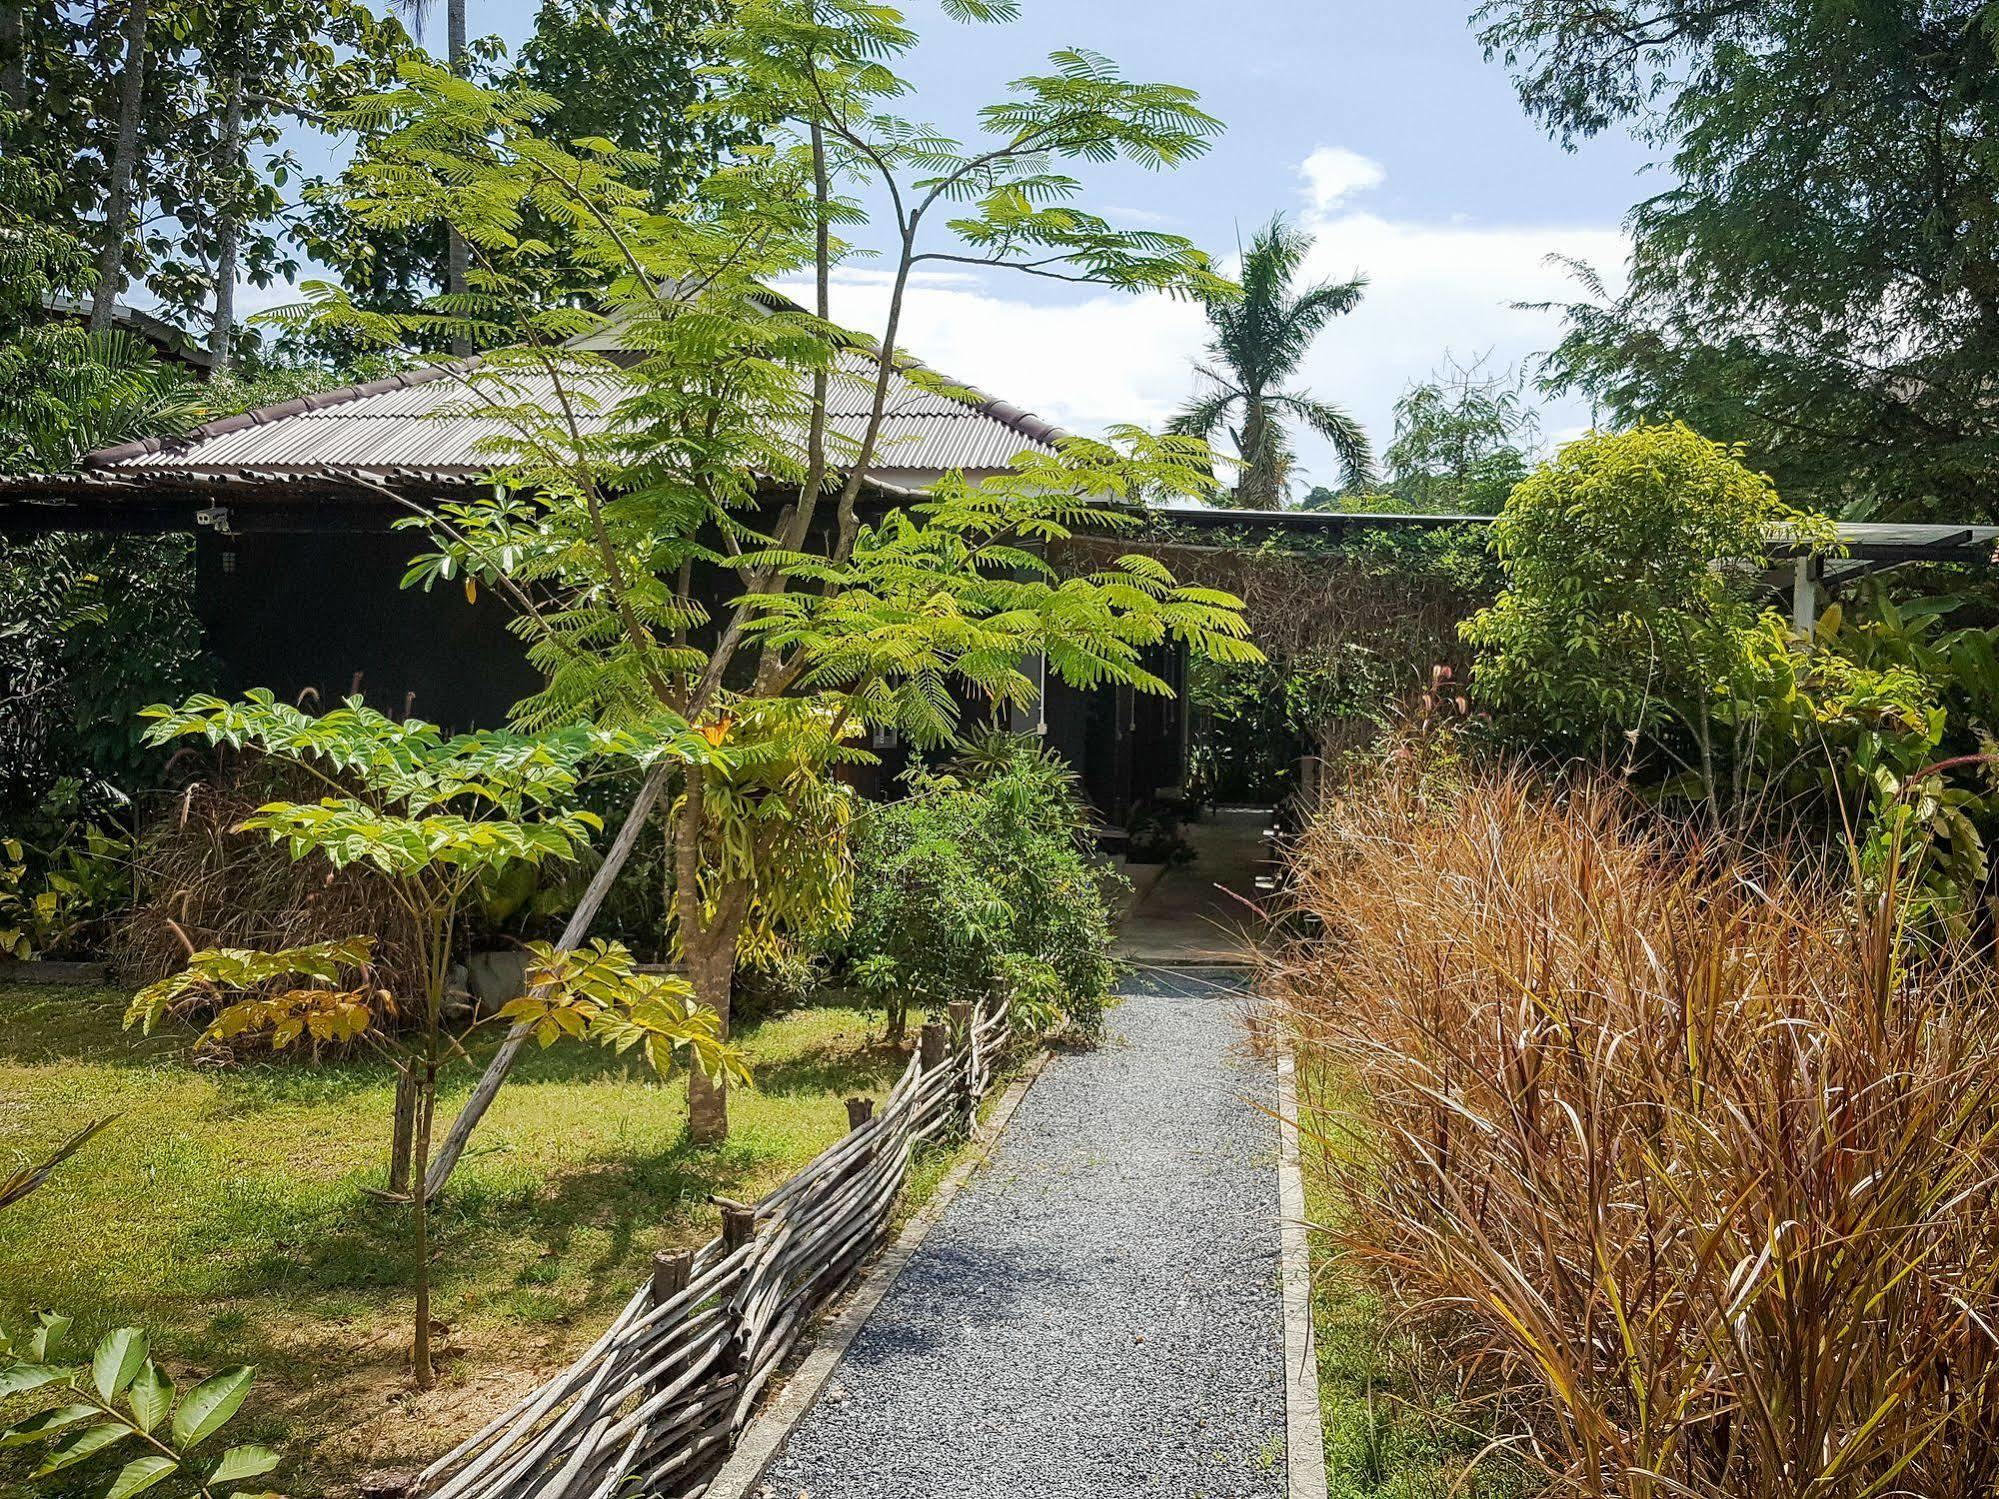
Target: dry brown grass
(203, 884)
(1682, 1170)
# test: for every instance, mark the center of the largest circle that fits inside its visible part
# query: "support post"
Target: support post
(739, 1226)
(403, 1139)
(671, 1270)
(1805, 597)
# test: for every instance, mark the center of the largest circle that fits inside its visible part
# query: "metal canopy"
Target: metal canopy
(1867, 545)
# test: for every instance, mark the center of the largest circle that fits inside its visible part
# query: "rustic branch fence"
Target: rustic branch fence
(654, 1405)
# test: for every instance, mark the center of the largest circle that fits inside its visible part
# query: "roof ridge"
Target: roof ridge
(1013, 418)
(318, 400)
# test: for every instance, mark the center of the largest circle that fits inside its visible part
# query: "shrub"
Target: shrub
(91, 630)
(1677, 1160)
(1630, 561)
(975, 883)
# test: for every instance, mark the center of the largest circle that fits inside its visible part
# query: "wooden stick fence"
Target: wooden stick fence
(652, 1408)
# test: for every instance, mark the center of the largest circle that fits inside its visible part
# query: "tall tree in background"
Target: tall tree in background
(629, 71)
(1260, 339)
(123, 166)
(1462, 441)
(1822, 282)
(632, 71)
(13, 47)
(166, 119)
(457, 258)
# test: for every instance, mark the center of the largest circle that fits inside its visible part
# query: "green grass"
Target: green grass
(227, 1212)
(1386, 1438)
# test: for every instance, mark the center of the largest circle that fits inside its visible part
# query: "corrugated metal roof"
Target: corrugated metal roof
(425, 425)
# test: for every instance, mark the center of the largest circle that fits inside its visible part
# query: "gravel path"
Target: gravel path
(1098, 1312)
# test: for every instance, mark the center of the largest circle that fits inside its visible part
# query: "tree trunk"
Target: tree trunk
(403, 1136)
(124, 165)
(420, 1363)
(228, 234)
(573, 934)
(457, 257)
(711, 969)
(707, 940)
(1257, 489)
(13, 58)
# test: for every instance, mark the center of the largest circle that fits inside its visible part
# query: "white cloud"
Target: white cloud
(1087, 365)
(1432, 288)
(1333, 173)
(1437, 288)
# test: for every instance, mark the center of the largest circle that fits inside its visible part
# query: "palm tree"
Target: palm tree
(455, 40)
(1260, 339)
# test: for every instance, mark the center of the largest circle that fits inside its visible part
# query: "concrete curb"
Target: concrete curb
(1304, 1430)
(765, 1436)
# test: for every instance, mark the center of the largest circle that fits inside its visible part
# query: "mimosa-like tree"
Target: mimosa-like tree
(665, 417)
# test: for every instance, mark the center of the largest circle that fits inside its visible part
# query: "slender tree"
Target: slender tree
(431, 817)
(669, 438)
(457, 42)
(124, 165)
(1260, 338)
(1462, 440)
(228, 230)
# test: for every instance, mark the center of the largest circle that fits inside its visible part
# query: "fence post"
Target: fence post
(739, 1226)
(671, 1271)
(859, 1112)
(962, 1012)
(930, 1045)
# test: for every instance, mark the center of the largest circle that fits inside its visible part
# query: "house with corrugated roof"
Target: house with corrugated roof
(299, 563)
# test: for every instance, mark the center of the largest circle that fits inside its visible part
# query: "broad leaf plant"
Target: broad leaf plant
(431, 816)
(121, 1403)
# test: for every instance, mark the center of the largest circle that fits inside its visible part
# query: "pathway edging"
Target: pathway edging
(764, 1438)
(1304, 1429)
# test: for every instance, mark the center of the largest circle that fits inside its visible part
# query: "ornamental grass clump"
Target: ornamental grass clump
(1683, 1164)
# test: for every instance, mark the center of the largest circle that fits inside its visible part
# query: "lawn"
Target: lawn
(227, 1212)
(1384, 1439)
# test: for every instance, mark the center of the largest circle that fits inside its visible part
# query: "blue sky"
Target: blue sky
(1376, 123)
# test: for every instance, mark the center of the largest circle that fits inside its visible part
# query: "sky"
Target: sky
(1375, 124)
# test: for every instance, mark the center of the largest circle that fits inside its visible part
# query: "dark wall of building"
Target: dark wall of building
(293, 612)
(1127, 746)
(319, 611)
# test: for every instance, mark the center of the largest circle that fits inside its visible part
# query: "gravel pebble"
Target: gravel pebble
(1098, 1312)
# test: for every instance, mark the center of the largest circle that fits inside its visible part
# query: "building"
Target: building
(299, 562)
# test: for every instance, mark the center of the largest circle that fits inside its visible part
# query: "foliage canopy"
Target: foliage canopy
(1818, 283)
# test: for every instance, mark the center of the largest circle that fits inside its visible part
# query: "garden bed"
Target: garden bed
(227, 1211)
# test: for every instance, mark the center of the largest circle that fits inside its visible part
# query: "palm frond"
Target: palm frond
(1202, 415)
(1348, 438)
